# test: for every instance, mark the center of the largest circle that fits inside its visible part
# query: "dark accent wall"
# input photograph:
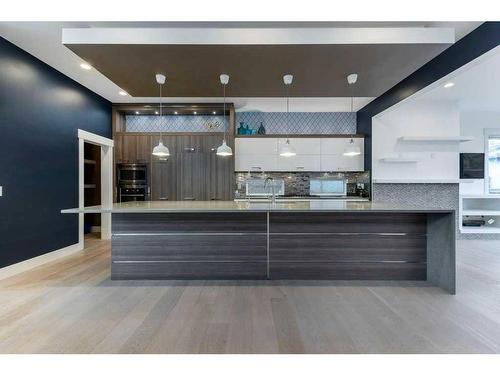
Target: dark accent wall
(40, 112)
(473, 45)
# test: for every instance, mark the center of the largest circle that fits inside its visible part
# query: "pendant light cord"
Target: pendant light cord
(224, 110)
(161, 138)
(287, 89)
(352, 107)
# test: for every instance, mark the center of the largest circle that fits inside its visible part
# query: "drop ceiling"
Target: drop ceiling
(255, 72)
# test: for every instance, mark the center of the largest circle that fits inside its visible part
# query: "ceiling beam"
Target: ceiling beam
(260, 36)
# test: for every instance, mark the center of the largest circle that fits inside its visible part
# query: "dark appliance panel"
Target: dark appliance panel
(471, 165)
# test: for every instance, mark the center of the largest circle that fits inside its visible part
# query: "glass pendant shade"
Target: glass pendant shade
(352, 149)
(287, 150)
(161, 150)
(224, 149)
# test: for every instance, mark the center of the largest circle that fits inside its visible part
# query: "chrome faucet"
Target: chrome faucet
(273, 196)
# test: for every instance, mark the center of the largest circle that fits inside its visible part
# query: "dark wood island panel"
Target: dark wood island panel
(331, 245)
(348, 246)
(189, 246)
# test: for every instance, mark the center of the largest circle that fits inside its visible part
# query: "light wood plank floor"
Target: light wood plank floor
(71, 306)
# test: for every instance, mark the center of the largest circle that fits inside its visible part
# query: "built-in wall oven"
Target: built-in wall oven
(132, 174)
(132, 182)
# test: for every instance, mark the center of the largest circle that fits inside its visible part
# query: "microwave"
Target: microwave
(334, 187)
(132, 174)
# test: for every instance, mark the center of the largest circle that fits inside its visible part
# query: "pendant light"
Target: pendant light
(287, 149)
(352, 149)
(161, 150)
(224, 149)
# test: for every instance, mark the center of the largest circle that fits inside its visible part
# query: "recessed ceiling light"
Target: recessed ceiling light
(448, 85)
(123, 93)
(214, 112)
(195, 112)
(175, 112)
(85, 66)
(136, 112)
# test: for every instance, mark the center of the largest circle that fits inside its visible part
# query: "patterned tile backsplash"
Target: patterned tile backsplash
(299, 122)
(273, 122)
(172, 123)
(297, 183)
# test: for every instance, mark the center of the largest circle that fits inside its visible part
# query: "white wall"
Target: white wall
(437, 162)
(473, 123)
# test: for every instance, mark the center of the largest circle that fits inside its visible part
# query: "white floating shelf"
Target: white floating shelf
(398, 160)
(436, 139)
(414, 181)
(480, 213)
(479, 229)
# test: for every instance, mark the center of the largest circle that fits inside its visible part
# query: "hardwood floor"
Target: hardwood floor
(71, 306)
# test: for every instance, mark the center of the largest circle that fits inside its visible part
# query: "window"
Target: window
(492, 138)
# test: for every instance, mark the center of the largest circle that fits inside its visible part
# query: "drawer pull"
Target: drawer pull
(189, 198)
(299, 167)
(189, 149)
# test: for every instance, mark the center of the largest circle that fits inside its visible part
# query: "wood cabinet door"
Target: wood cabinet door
(191, 177)
(163, 179)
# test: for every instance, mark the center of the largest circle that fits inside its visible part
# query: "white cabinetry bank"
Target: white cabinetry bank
(321, 154)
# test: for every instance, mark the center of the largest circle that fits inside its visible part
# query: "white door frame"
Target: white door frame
(106, 145)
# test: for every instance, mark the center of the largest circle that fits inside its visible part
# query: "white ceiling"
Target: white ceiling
(476, 85)
(43, 40)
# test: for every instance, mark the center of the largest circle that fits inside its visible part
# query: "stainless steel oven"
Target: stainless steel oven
(132, 174)
(133, 193)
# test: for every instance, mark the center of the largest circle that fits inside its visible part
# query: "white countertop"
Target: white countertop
(252, 206)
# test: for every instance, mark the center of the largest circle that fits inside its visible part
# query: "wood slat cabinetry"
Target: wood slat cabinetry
(192, 172)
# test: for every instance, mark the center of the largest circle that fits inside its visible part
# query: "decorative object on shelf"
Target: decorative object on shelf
(161, 150)
(212, 126)
(287, 149)
(352, 149)
(241, 128)
(262, 129)
(224, 149)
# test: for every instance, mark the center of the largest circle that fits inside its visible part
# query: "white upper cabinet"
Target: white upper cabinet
(313, 155)
(303, 146)
(256, 162)
(256, 145)
(336, 146)
(341, 163)
(299, 163)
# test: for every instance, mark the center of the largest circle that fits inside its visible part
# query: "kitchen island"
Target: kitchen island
(336, 240)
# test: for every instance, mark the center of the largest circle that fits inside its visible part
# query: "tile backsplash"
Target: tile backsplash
(297, 183)
(174, 123)
(273, 122)
(299, 122)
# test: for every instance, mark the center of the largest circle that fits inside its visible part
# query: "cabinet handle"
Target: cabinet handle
(163, 199)
(189, 198)
(213, 149)
(299, 167)
(256, 168)
(189, 149)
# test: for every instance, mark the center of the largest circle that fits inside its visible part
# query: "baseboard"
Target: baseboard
(28, 264)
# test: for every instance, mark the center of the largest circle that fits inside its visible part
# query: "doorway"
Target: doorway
(95, 182)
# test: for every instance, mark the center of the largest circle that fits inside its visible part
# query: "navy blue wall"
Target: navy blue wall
(473, 45)
(40, 112)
